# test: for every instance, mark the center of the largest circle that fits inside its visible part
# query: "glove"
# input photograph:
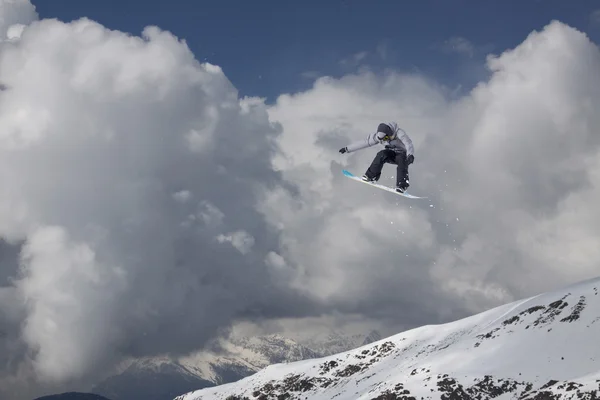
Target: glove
(410, 159)
(344, 150)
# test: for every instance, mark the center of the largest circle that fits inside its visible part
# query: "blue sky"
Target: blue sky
(269, 47)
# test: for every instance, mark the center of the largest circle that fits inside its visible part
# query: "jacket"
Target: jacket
(400, 141)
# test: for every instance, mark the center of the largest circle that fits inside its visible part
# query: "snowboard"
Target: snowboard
(380, 186)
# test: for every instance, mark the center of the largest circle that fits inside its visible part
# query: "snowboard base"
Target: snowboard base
(380, 186)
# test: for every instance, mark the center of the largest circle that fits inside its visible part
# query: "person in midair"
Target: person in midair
(398, 150)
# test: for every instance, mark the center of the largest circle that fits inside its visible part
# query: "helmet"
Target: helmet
(387, 131)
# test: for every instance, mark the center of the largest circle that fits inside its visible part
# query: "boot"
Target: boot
(367, 179)
(402, 187)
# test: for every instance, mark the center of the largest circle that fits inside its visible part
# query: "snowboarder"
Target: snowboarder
(398, 151)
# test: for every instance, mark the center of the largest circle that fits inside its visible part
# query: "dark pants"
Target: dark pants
(390, 157)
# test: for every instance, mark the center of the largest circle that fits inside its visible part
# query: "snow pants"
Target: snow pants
(397, 158)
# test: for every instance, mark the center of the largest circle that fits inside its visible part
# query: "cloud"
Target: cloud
(512, 170)
(59, 274)
(122, 159)
(241, 240)
(14, 15)
(182, 196)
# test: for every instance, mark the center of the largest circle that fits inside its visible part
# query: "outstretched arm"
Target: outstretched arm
(369, 141)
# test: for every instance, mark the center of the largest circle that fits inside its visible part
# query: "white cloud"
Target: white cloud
(14, 32)
(209, 213)
(14, 14)
(280, 269)
(275, 260)
(511, 168)
(199, 140)
(182, 196)
(241, 240)
(65, 331)
(94, 149)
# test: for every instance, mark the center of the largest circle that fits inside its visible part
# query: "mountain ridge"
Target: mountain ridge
(541, 347)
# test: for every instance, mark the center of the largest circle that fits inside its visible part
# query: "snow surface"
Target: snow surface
(546, 343)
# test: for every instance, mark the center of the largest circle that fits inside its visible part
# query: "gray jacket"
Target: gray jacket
(399, 141)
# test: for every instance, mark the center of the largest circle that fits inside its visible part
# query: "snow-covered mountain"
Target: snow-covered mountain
(161, 378)
(543, 347)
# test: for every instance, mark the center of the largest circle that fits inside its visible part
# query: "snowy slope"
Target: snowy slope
(542, 345)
